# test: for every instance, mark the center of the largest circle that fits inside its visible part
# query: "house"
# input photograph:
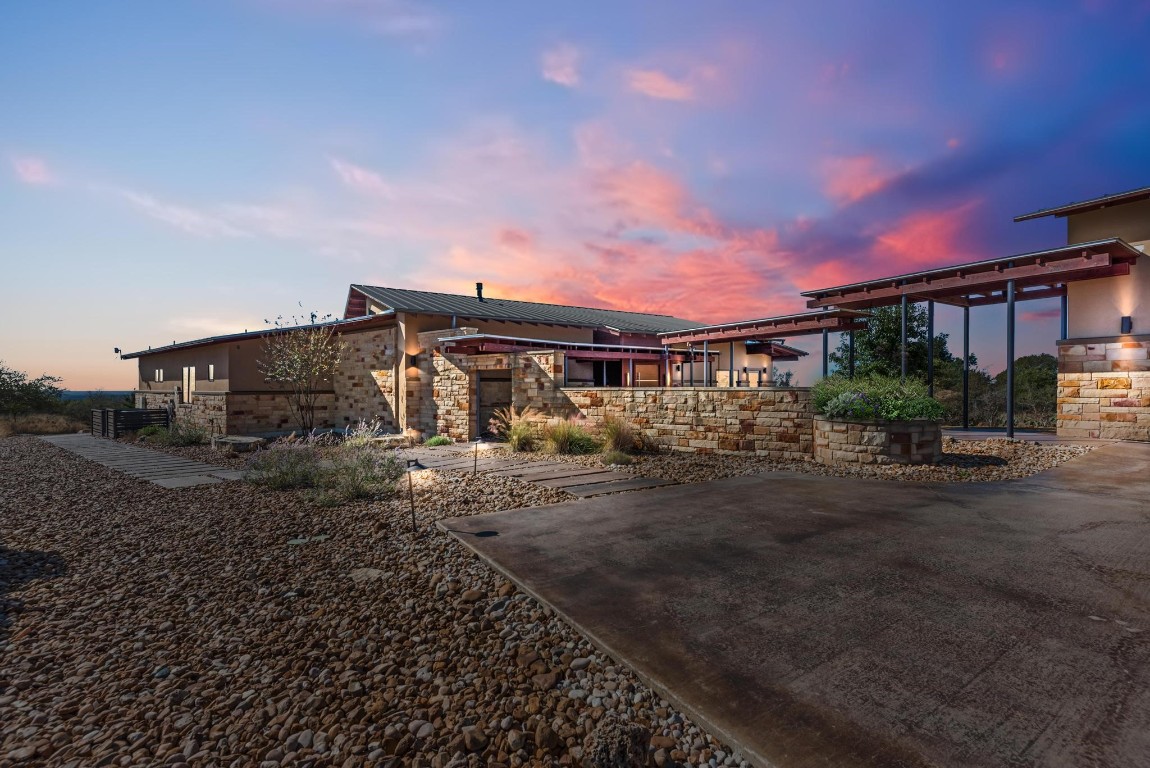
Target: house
(433, 363)
(436, 363)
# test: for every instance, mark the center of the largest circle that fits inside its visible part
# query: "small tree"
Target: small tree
(20, 395)
(302, 358)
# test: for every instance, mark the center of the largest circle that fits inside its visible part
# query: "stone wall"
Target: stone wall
(258, 412)
(208, 410)
(877, 441)
(365, 382)
(767, 422)
(1104, 388)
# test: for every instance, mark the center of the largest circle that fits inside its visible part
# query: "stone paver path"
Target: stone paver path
(159, 468)
(580, 481)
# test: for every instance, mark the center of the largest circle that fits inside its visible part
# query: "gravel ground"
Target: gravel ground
(963, 461)
(227, 625)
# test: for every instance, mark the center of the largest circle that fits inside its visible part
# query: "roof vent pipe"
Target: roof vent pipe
(479, 290)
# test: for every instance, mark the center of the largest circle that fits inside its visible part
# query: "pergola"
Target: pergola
(1010, 279)
(771, 330)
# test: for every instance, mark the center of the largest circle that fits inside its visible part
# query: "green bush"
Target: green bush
(151, 430)
(362, 433)
(618, 435)
(568, 437)
(285, 465)
(438, 440)
(334, 475)
(616, 457)
(181, 433)
(874, 397)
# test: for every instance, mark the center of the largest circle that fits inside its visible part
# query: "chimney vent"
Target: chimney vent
(479, 291)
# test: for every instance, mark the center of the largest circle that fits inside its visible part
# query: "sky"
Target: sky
(175, 170)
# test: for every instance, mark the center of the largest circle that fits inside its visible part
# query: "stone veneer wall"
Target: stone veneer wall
(208, 410)
(877, 441)
(365, 383)
(256, 412)
(774, 422)
(1104, 388)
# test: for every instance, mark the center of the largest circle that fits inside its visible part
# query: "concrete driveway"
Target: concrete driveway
(814, 621)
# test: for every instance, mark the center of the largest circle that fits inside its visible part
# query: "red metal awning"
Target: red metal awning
(769, 328)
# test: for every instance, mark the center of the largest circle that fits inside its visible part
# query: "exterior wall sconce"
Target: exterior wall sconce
(413, 361)
(1127, 324)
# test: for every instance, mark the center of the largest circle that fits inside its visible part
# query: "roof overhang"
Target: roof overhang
(1093, 204)
(1037, 275)
(484, 343)
(340, 326)
(831, 320)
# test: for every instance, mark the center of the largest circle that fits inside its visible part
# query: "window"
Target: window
(159, 376)
(189, 384)
(211, 372)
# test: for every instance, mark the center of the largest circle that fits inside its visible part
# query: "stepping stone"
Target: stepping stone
(599, 489)
(586, 479)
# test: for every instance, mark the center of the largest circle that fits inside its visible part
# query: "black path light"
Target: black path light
(413, 466)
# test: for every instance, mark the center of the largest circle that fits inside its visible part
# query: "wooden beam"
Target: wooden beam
(758, 331)
(965, 284)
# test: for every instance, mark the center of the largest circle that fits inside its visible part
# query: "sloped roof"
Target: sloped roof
(1119, 198)
(428, 302)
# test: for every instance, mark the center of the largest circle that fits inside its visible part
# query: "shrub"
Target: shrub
(152, 430)
(181, 433)
(618, 435)
(362, 433)
(336, 475)
(503, 419)
(438, 440)
(568, 437)
(285, 465)
(616, 457)
(358, 472)
(874, 397)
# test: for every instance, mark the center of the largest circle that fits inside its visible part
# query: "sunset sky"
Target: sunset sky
(172, 170)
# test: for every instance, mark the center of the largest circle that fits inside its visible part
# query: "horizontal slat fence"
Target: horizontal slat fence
(113, 422)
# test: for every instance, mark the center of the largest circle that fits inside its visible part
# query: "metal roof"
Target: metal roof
(339, 325)
(428, 302)
(1119, 198)
(771, 327)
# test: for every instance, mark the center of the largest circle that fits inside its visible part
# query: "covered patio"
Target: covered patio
(1007, 280)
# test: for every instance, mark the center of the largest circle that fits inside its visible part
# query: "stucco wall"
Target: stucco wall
(1095, 307)
(1104, 389)
(767, 422)
(172, 364)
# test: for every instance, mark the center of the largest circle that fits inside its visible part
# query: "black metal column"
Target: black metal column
(826, 353)
(731, 367)
(691, 352)
(966, 367)
(1010, 358)
(1063, 331)
(706, 364)
(851, 354)
(930, 348)
(902, 337)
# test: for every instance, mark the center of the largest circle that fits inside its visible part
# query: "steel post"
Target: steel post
(1010, 358)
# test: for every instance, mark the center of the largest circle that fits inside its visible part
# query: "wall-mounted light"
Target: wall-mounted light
(413, 361)
(1127, 324)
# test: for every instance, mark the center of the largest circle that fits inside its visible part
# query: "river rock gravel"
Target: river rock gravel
(228, 625)
(963, 461)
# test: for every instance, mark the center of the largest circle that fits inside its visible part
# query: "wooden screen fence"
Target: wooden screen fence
(114, 422)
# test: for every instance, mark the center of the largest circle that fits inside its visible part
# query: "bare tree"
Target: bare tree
(303, 358)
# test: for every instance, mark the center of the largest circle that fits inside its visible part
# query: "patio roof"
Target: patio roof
(1105, 201)
(484, 343)
(832, 320)
(1037, 275)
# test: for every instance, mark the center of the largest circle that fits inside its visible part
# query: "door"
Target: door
(493, 392)
(189, 383)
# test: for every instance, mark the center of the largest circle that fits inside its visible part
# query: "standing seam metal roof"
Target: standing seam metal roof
(428, 302)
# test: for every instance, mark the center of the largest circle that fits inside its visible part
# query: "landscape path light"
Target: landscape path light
(413, 466)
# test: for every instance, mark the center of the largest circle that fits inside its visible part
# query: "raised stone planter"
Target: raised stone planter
(877, 441)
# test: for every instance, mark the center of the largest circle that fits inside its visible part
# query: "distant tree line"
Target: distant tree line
(878, 351)
(22, 395)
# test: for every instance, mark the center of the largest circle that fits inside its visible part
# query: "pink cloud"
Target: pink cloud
(848, 179)
(389, 18)
(928, 238)
(1040, 315)
(187, 219)
(656, 84)
(32, 170)
(561, 65)
(361, 179)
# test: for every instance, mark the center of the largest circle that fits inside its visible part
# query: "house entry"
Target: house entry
(493, 389)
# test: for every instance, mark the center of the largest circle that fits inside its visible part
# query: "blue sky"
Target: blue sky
(175, 170)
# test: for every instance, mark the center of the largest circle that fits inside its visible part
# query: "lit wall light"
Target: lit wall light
(1127, 324)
